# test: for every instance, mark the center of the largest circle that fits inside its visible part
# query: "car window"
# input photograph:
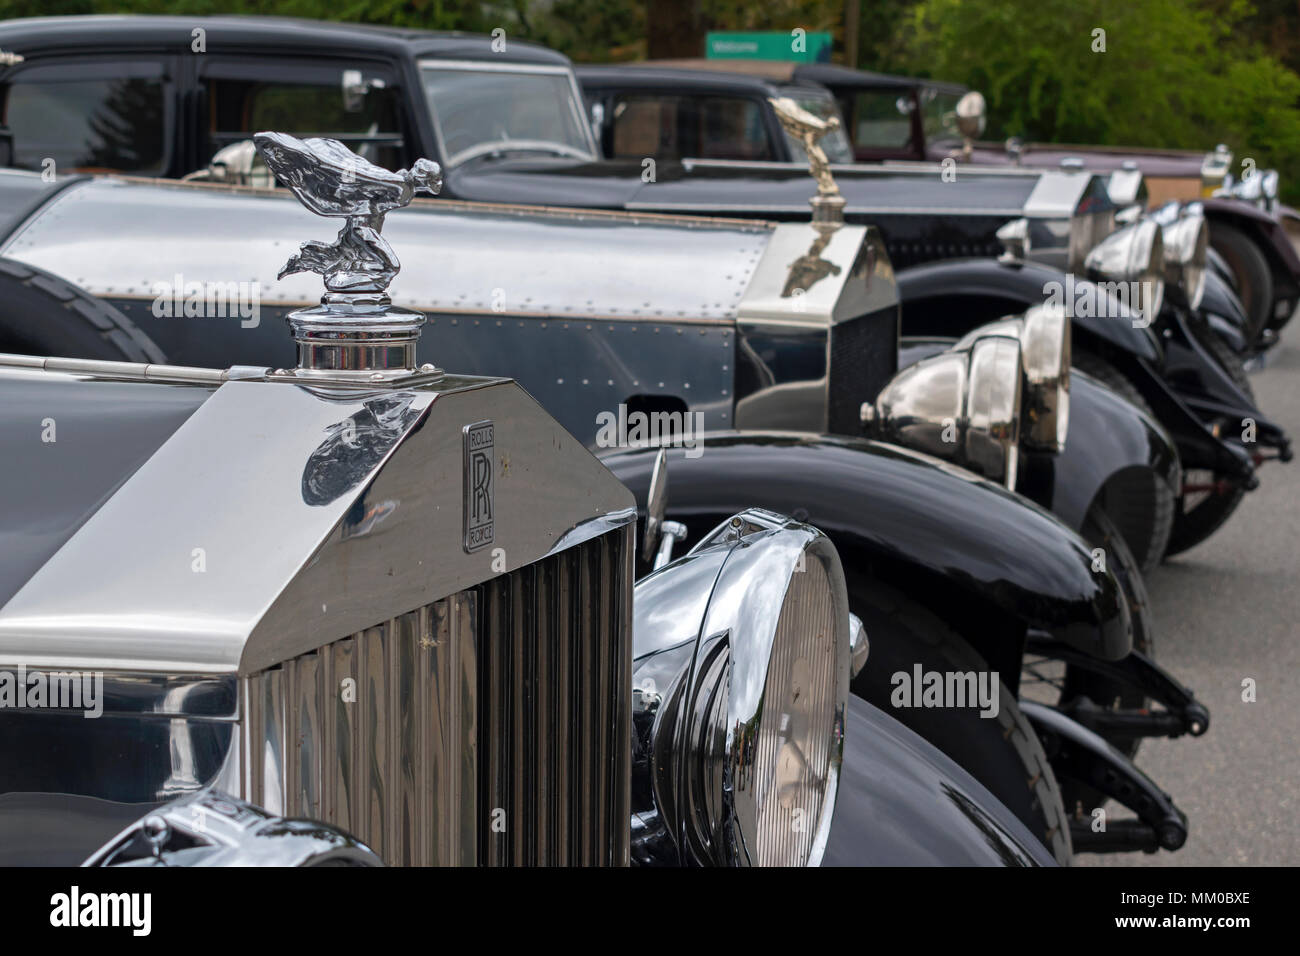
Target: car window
(480, 112)
(88, 117)
(672, 126)
(882, 119)
(367, 119)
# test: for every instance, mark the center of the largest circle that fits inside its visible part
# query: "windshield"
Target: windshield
(478, 112)
(836, 144)
(939, 116)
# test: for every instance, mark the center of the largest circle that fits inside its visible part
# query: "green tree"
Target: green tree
(1171, 73)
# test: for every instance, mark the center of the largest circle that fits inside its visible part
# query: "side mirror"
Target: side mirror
(660, 535)
(237, 164)
(971, 115)
(355, 89)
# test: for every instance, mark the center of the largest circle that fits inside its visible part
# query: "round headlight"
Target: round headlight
(1268, 183)
(1045, 353)
(1186, 249)
(963, 405)
(1133, 255)
(765, 722)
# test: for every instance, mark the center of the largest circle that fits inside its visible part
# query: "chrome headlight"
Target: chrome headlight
(749, 739)
(1044, 336)
(1187, 245)
(1134, 255)
(1268, 184)
(962, 405)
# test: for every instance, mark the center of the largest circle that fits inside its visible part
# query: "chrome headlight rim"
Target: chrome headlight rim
(720, 746)
(964, 405)
(1133, 254)
(1186, 252)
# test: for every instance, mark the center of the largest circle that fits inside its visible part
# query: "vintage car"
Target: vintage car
(508, 125)
(515, 286)
(361, 610)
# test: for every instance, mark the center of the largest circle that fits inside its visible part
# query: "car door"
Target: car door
(92, 114)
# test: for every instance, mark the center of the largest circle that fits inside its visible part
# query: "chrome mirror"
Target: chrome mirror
(237, 165)
(660, 535)
(356, 88)
(971, 113)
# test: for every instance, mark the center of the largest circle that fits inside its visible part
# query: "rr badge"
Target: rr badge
(479, 499)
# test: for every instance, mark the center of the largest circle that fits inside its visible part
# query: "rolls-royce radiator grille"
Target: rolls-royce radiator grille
(555, 710)
(863, 357)
(490, 727)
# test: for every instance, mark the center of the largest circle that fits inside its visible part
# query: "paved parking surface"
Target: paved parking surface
(1227, 610)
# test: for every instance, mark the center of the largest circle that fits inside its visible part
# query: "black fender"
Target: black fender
(1270, 235)
(987, 561)
(1111, 445)
(1210, 392)
(901, 802)
(1222, 308)
(953, 296)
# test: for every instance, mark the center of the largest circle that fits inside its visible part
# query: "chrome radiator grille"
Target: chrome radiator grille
(490, 727)
(554, 709)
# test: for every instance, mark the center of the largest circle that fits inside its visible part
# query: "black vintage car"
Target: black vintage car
(363, 611)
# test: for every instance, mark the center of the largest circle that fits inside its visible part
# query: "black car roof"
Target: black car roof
(655, 74)
(831, 75)
(129, 31)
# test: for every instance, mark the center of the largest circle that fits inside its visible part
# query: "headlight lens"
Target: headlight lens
(796, 737)
(963, 405)
(1135, 255)
(1186, 249)
(765, 718)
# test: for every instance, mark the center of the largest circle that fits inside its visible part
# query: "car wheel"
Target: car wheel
(41, 314)
(1250, 272)
(1053, 683)
(1003, 753)
(1196, 514)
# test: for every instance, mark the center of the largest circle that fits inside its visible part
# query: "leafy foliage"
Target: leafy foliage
(1173, 73)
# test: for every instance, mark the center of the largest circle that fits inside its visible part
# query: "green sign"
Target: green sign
(796, 45)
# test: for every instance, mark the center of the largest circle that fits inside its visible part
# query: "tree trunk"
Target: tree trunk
(673, 29)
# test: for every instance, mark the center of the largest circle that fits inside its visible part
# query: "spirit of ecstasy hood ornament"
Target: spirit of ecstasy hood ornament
(355, 329)
(828, 204)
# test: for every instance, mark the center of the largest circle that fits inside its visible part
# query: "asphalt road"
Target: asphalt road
(1228, 610)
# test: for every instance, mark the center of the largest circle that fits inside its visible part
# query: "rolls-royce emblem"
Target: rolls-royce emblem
(480, 502)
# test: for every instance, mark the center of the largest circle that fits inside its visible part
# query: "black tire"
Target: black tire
(1003, 753)
(1159, 522)
(1250, 272)
(1194, 517)
(41, 314)
(1053, 683)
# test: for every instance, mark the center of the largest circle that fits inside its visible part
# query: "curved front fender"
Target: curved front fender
(953, 296)
(903, 803)
(968, 548)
